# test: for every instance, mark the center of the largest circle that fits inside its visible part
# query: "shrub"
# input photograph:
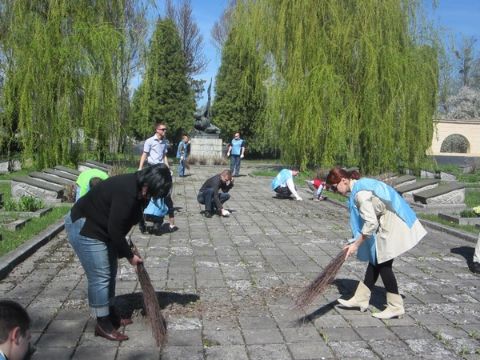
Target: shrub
(26, 203)
(219, 161)
(469, 213)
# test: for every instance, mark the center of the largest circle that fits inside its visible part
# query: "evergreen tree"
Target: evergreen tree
(166, 92)
(238, 104)
(350, 82)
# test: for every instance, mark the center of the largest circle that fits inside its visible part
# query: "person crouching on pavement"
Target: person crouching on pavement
(283, 184)
(383, 227)
(155, 212)
(211, 196)
(317, 186)
(97, 226)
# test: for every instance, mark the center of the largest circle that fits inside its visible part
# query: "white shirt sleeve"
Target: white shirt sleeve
(291, 187)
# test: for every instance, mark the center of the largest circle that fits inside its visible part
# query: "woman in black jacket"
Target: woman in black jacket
(97, 227)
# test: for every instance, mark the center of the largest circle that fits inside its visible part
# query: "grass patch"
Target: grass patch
(22, 172)
(472, 198)
(13, 239)
(467, 228)
(5, 189)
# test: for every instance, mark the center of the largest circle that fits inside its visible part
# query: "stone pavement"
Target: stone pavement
(227, 288)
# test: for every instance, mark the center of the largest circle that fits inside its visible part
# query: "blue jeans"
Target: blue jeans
(235, 165)
(181, 167)
(206, 198)
(99, 260)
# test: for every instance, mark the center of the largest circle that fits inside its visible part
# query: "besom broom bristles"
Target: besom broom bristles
(319, 285)
(150, 301)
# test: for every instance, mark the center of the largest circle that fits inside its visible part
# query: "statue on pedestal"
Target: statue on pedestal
(202, 124)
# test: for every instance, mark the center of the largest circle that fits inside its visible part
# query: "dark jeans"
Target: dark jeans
(386, 272)
(235, 165)
(206, 198)
(283, 191)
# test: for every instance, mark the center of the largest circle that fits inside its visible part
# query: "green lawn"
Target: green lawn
(13, 239)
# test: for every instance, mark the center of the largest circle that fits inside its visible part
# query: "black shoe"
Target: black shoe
(207, 214)
(142, 227)
(476, 268)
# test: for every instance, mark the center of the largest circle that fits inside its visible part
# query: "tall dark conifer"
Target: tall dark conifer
(238, 104)
(166, 91)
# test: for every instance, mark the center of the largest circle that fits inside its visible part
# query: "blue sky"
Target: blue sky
(455, 17)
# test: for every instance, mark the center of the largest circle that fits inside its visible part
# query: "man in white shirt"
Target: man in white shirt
(155, 148)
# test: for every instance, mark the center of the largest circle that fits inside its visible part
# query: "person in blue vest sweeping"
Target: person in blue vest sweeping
(383, 227)
(236, 149)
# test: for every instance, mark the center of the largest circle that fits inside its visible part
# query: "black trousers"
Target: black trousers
(206, 198)
(386, 272)
(283, 191)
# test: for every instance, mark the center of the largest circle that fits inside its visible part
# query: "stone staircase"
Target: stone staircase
(51, 185)
(429, 195)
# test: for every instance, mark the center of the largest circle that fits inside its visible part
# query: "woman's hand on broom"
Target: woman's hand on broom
(353, 245)
(351, 249)
(135, 260)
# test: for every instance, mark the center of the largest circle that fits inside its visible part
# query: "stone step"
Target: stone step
(90, 164)
(28, 186)
(403, 180)
(408, 190)
(61, 174)
(445, 194)
(51, 178)
(100, 164)
(67, 170)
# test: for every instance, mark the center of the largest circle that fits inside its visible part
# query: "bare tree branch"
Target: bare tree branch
(221, 28)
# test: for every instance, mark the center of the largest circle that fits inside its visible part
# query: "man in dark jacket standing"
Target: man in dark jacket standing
(210, 195)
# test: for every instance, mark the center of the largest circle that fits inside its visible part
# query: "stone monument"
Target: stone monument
(206, 142)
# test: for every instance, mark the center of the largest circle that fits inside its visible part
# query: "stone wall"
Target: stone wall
(209, 148)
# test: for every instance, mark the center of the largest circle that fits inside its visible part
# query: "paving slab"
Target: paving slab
(227, 287)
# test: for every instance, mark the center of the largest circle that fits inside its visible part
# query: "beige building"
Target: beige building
(456, 137)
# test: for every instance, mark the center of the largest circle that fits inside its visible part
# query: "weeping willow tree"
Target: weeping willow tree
(61, 84)
(350, 82)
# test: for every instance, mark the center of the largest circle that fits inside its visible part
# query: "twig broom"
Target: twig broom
(320, 284)
(150, 302)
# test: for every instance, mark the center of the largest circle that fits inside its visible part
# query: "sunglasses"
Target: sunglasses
(334, 188)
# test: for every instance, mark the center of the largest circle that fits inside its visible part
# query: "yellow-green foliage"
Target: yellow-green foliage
(60, 75)
(349, 81)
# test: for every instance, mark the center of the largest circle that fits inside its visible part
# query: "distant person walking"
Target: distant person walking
(283, 184)
(182, 153)
(384, 227)
(214, 193)
(155, 148)
(236, 149)
(97, 227)
(14, 331)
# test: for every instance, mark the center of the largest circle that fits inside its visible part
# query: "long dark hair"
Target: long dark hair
(337, 174)
(158, 180)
